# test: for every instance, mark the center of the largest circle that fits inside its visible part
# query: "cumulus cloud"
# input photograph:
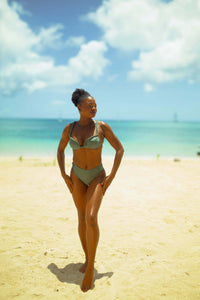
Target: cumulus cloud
(89, 61)
(24, 67)
(36, 85)
(75, 41)
(19, 8)
(50, 37)
(166, 36)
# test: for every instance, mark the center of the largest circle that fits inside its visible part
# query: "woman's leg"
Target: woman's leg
(94, 198)
(80, 200)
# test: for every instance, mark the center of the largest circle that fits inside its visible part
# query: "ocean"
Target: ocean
(40, 137)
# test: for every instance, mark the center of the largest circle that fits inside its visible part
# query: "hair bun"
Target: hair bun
(78, 95)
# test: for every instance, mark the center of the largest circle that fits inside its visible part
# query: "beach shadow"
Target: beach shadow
(71, 273)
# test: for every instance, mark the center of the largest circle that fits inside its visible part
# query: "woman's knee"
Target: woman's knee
(91, 219)
(81, 217)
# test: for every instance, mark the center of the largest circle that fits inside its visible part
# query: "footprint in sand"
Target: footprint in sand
(153, 262)
(50, 252)
(53, 253)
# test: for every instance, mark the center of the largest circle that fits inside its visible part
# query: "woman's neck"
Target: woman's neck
(84, 121)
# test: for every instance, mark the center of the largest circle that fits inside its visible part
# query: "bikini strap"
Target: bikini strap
(71, 129)
(97, 129)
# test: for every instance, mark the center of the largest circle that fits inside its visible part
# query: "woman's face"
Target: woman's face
(88, 107)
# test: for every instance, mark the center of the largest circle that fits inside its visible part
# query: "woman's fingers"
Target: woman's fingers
(69, 183)
(104, 186)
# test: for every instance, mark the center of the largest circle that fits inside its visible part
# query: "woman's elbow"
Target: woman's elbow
(59, 151)
(121, 150)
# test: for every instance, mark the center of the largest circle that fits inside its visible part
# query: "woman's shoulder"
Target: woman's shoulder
(102, 123)
(104, 126)
(67, 128)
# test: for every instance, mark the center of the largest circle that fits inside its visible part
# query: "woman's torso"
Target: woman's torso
(86, 142)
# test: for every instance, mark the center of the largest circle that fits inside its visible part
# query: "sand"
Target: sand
(149, 222)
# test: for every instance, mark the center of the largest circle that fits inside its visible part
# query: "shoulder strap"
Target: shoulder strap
(97, 128)
(71, 129)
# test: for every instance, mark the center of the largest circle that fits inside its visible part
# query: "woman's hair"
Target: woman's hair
(78, 95)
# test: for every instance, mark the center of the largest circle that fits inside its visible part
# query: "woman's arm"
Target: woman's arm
(115, 143)
(61, 156)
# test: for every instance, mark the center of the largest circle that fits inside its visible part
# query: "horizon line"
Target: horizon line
(106, 119)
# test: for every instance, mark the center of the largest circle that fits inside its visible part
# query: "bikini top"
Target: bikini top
(93, 142)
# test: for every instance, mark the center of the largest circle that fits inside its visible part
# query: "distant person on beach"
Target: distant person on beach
(88, 181)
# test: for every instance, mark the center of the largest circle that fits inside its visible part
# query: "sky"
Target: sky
(139, 59)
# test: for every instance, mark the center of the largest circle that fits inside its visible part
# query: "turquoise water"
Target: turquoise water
(40, 137)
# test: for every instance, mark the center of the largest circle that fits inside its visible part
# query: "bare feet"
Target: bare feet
(83, 267)
(87, 280)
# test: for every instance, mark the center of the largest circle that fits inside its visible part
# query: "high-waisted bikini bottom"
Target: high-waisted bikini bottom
(87, 176)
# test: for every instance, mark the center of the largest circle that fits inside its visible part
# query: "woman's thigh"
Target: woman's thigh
(94, 195)
(79, 193)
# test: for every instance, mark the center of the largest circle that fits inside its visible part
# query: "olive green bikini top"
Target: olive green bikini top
(93, 142)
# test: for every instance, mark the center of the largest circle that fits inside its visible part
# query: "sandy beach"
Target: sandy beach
(149, 222)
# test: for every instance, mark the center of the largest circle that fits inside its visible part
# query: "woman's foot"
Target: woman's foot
(83, 267)
(87, 280)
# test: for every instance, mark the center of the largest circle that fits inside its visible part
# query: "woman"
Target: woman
(88, 181)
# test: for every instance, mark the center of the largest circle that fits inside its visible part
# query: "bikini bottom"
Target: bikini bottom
(87, 176)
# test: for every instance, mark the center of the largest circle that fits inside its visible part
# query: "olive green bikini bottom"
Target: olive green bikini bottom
(87, 176)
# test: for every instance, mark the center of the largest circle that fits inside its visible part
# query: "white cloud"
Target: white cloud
(89, 61)
(130, 24)
(165, 34)
(58, 102)
(113, 77)
(148, 87)
(19, 9)
(50, 37)
(75, 41)
(191, 81)
(36, 85)
(22, 65)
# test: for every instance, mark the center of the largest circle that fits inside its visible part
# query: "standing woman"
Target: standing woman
(87, 181)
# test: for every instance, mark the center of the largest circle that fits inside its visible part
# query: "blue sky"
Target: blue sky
(140, 60)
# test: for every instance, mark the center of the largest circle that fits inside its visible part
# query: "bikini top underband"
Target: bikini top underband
(93, 142)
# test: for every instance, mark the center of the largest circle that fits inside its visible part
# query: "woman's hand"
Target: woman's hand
(68, 182)
(105, 184)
